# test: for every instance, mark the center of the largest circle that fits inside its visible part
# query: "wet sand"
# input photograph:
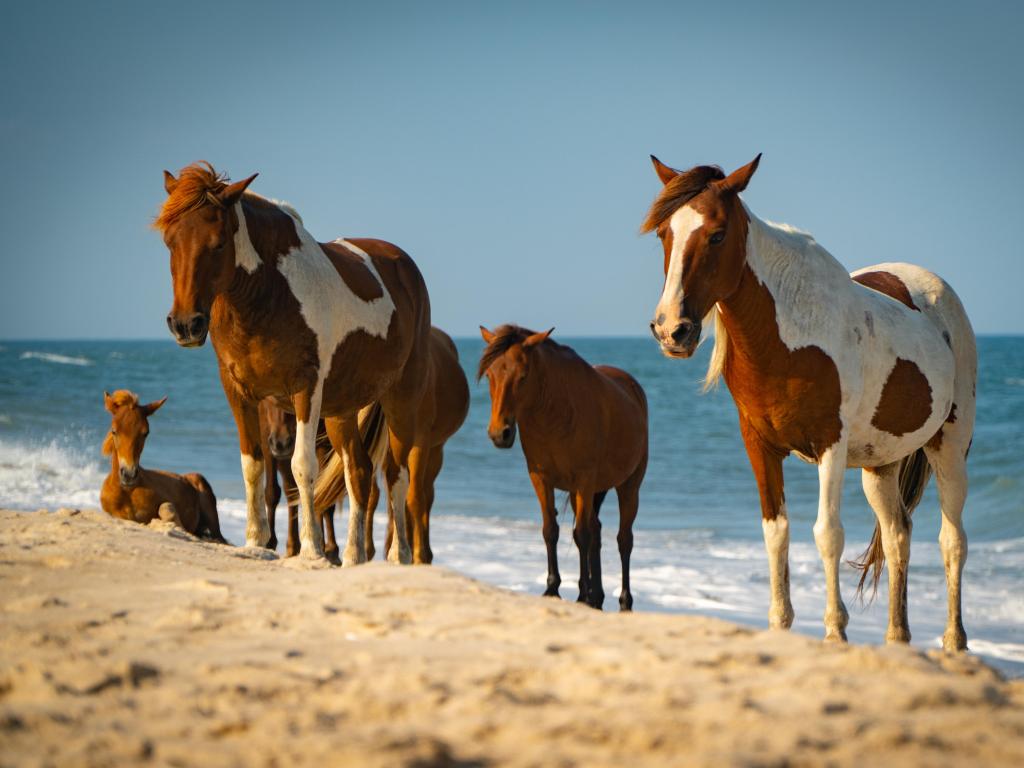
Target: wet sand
(121, 644)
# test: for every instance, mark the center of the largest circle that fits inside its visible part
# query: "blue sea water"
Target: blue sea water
(698, 534)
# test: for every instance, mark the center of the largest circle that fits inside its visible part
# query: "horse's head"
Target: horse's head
(198, 221)
(280, 429)
(506, 361)
(128, 430)
(703, 228)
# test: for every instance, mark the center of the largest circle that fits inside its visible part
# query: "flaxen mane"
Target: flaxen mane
(198, 184)
(678, 192)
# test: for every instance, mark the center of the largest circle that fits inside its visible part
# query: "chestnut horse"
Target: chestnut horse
(442, 411)
(326, 329)
(131, 492)
(875, 370)
(584, 430)
(277, 436)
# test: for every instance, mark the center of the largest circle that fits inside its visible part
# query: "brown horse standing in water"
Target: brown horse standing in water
(326, 329)
(442, 411)
(277, 436)
(133, 493)
(584, 430)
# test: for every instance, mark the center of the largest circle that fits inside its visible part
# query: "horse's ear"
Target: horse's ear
(737, 180)
(537, 338)
(233, 192)
(486, 335)
(169, 182)
(151, 408)
(108, 401)
(665, 173)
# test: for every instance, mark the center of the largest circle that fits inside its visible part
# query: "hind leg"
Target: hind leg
(272, 495)
(950, 465)
(629, 503)
(882, 489)
(330, 542)
(397, 478)
(596, 597)
(371, 508)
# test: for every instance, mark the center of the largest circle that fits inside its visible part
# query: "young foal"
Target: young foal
(442, 411)
(277, 438)
(584, 430)
(877, 371)
(133, 493)
(333, 328)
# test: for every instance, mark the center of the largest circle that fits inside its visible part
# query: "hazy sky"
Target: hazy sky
(505, 145)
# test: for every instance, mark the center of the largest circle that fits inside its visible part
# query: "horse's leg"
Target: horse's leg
(331, 548)
(246, 413)
(435, 460)
(582, 533)
(950, 465)
(577, 537)
(549, 514)
(304, 468)
(291, 547)
(596, 597)
(416, 500)
(629, 503)
(397, 479)
(828, 535)
(767, 466)
(882, 489)
(169, 514)
(272, 495)
(371, 508)
(345, 437)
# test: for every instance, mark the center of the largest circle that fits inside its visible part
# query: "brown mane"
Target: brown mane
(197, 185)
(123, 397)
(679, 191)
(506, 337)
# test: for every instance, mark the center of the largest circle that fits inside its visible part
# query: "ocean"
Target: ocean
(698, 546)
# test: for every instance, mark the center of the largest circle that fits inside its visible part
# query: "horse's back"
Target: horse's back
(630, 388)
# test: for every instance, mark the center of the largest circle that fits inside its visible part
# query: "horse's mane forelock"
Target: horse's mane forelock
(679, 191)
(124, 397)
(506, 337)
(197, 185)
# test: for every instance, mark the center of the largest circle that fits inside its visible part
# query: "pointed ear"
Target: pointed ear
(153, 407)
(233, 192)
(737, 180)
(169, 182)
(537, 338)
(665, 173)
(486, 335)
(108, 401)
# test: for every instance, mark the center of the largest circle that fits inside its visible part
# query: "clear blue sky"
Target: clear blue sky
(505, 145)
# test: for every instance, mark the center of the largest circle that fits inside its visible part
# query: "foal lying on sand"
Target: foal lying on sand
(133, 493)
(584, 431)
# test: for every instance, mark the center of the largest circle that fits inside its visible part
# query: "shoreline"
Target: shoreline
(122, 643)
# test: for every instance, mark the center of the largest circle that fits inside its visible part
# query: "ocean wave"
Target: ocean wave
(50, 357)
(48, 475)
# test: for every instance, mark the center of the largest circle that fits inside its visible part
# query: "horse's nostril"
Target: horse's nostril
(682, 331)
(170, 323)
(198, 325)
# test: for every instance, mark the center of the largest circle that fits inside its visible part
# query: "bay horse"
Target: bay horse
(277, 438)
(442, 411)
(584, 430)
(875, 370)
(328, 330)
(131, 492)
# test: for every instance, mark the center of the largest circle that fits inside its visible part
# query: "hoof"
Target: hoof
(596, 602)
(552, 592)
(352, 557)
(400, 555)
(835, 635)
(781, 619)
(291, 550)
(897, 635)
(954, 640)
(625, 603)
(311, 552)
(332, 556)
(272, 544)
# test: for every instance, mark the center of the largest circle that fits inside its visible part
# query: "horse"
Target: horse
(131, 492)
(874, 369)
(584, 430)
(336, 330)
(442, 411)
(277, 438)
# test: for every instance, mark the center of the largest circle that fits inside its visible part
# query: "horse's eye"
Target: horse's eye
(717, 237)
(113, 432)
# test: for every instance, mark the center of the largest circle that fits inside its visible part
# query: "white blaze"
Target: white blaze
(683, 223)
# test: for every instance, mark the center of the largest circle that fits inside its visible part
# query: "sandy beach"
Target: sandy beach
(121, 644)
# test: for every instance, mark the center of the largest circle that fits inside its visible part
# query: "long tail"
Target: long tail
(915, 472)
(330, 480)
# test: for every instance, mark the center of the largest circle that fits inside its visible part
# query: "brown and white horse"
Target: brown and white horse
(875, 370)
(584, 430)
(131, 492)
(327, 329)
(442, 411)
(277, 438)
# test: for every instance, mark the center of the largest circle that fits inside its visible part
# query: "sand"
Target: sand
(122, 644)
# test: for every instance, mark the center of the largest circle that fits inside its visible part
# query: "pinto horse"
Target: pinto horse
(277, 436)
(875, 370)
(442, 411)
(143, 495)
(584, 430)
(328, 330)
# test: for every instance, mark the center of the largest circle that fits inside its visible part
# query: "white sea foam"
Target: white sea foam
(49, 475)
(50, 357)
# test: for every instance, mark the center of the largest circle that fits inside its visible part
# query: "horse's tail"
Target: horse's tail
(914, 474)
(330, 480)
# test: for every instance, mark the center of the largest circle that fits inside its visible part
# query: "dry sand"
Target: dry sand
(121, 644)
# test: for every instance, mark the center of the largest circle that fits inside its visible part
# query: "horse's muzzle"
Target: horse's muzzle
(129, 476)
(505, 438)
(681, 341)
(281, 449)
(190, 330)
